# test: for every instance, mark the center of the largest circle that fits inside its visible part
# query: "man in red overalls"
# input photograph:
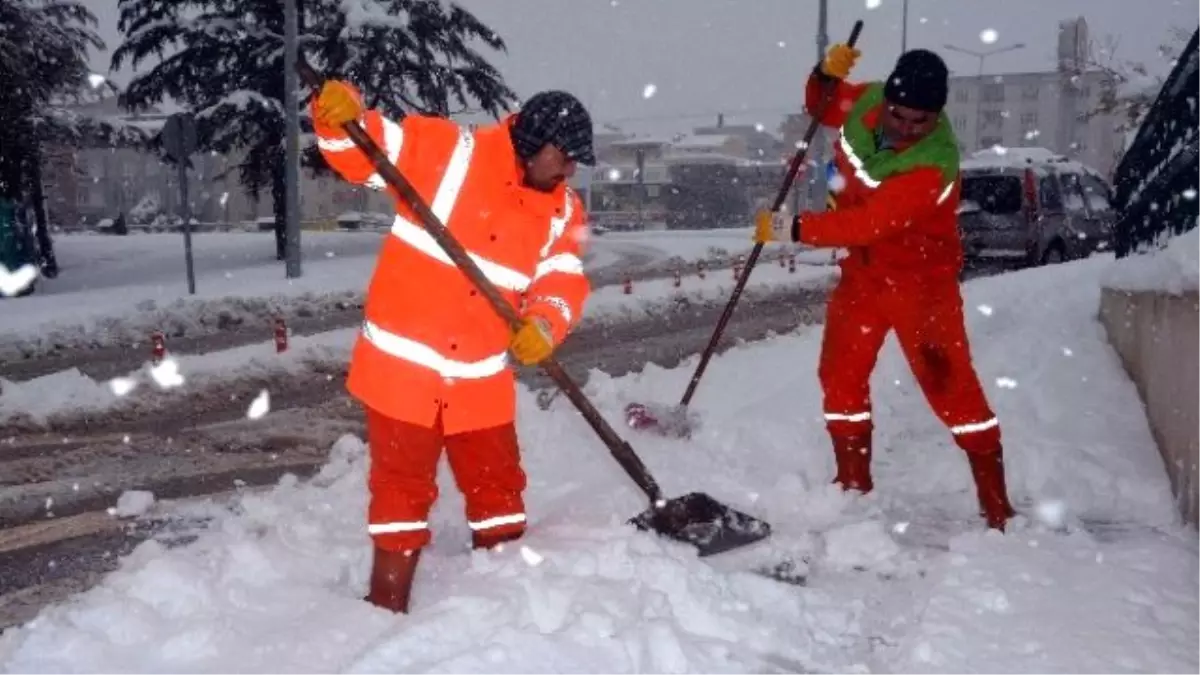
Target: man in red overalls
(896, 215)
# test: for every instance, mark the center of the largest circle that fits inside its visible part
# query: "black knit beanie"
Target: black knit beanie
(558, 118)
(920, 81)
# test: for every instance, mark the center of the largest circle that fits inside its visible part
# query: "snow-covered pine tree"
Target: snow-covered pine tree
(43, 54)
(1131, 87)
(223, 59)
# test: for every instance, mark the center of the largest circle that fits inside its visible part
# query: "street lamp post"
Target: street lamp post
(904, 28)
(982, 56)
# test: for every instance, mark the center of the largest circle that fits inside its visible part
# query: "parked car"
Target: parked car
(1032, 207)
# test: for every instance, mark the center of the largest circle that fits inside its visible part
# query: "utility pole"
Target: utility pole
(291, 156)
(979, 82)
(904, 29)
(817, 183)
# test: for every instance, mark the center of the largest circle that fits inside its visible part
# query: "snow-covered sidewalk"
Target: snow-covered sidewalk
(70, 391)
(116, 290)
(1098, 576)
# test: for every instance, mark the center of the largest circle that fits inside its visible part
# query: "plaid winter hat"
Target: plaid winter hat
(920, 81)
(558, 118)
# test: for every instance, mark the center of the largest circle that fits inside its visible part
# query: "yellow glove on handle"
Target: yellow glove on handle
(839, 60)
(337, 104)
(533, 342)
(771, 226)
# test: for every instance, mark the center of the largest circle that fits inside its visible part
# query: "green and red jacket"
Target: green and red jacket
(896, 212)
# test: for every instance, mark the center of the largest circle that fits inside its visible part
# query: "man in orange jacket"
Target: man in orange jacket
(896, 214)
(430, 364)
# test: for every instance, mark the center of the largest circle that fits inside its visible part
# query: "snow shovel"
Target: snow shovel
(677, 421)
(695, 518)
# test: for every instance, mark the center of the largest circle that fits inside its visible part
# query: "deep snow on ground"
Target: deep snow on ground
(1174, 268)
(115, 290)
(903, 580)
(70, 391)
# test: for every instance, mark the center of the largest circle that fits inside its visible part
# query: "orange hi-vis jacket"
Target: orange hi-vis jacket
(430, 343)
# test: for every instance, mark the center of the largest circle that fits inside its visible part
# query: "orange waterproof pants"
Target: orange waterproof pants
(927, 315)
(403, 480)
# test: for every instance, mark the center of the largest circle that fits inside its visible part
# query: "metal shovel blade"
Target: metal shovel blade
(703, 522)
(668, 421)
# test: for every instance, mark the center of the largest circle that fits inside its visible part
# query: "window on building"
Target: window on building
(960, 122)
(1030, 92)
(993, 93)
(1029, 120)
(962, 95)
(991, 118)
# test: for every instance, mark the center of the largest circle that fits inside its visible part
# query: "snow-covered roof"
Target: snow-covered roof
(642, 141)
(703, 141)
(705, 158)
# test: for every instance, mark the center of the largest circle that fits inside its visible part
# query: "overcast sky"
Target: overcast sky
(749, 58)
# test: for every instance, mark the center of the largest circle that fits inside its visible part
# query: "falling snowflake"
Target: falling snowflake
(649, 90)
(614, 174)
(985, 310)
(989, 36)
(1006, 383)
(1052, 513)
(260, 406)
(1189, 194)
(924, 20)
(1032, 134)
(121, 386)
(837, 182)
(874, 4)
(782, 44)
(224, 198)
(900, 528)
(999, 149)
(96, 79)
(759, 127)
(1067, 351)
(166, 374)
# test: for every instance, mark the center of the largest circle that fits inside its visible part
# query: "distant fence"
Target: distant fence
(1155, 183)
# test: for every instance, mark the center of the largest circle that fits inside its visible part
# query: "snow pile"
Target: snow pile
(1174, 268)
(1127, 608)
(905, 579)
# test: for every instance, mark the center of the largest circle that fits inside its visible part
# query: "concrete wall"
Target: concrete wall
(1158, 336)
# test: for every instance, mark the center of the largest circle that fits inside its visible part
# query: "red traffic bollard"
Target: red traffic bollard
(628, 286)
(158, 347)
(792, 263)
(281, 335)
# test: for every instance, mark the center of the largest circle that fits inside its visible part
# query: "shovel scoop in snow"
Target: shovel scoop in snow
(669, 421)
(703, 522)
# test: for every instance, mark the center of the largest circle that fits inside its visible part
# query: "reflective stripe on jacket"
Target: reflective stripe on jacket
(430, 342)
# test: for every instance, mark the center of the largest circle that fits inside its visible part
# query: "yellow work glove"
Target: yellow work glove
(771, 226)
(337, 103)
(533, 342)
(839, 60)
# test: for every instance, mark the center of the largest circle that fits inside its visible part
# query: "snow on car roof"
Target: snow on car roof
(1021, 158)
